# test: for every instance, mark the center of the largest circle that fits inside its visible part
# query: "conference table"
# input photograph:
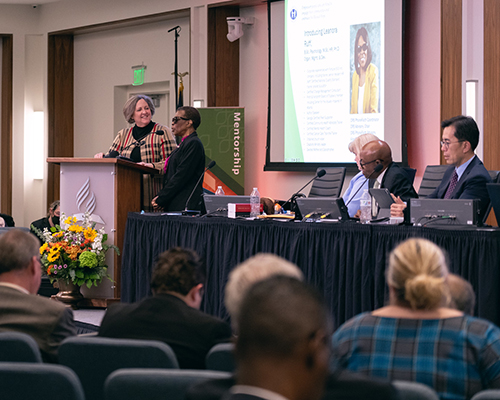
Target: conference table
(345, 261)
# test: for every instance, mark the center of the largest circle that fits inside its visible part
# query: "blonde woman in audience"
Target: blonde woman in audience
(417, 336)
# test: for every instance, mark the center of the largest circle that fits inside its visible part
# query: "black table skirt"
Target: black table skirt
(345, 261)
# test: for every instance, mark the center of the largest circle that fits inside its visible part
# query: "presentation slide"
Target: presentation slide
(340, 78)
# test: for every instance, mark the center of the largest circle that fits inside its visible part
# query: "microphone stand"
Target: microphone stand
(291, 200)
(176, 64)
(196, 212)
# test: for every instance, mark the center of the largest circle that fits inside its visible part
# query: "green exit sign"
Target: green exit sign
(138, 76)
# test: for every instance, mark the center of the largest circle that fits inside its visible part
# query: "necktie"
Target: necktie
(453, 184)
(376, 185)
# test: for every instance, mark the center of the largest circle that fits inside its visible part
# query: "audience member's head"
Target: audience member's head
(2, 223)
(284, 339)
(179, 272)
(9, 221)
(462, 294)
(417, 275)
(254, 269)
(374, 153)
(54, 212)
(20, 260)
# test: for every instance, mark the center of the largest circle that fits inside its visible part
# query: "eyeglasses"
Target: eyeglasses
(361, 48)
(363, 164)
(446, 143)
(177, 119)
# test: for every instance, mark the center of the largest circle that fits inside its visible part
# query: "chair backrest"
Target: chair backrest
(19, 347)
(38, 381)
(221, 358)
(155, 384)
(411, 172)
(94, 358)
(489, 394)
(414, 391)
(432, 178)
(495, 177)
(330, 184)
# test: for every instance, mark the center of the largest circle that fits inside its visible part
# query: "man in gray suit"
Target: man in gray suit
(21, 310)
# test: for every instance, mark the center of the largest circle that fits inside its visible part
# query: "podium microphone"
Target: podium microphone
(194, 212)
(378, 168)
(319, 174)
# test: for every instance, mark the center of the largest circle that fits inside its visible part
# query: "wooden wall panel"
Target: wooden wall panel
(6, 126)
(451, 59)
(223, 60)
(491, 134)
(60, 106)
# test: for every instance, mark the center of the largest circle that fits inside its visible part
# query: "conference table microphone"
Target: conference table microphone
(194, 212)
(378, 168)
(319, 174)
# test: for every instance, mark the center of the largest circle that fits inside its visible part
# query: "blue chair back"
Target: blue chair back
(38, 381)
(93, 358)
(221, 358)
(155, 384)
(414, 391)
(489, 394)
(19, 347)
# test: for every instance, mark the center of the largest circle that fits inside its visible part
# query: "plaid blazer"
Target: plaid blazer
(154, 148)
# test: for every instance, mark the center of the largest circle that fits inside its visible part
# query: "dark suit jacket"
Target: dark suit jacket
(397, 181)
(185, 166)
(472, 185)
(190, 332)
(47, 321)
(340, 385)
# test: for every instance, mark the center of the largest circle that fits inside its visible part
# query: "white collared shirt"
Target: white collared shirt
(256, 391)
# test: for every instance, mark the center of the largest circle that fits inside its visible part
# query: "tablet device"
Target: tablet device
(383, 197)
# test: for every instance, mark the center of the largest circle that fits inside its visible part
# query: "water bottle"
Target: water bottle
(366, 207)
(219, 191)
(254, 203)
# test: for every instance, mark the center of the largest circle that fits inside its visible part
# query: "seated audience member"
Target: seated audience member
(50, 220)
(417, 337)
(255, 269)
(9, 221)
(352, 195)
(341, 385)
(466, 178)
(47, 321)
(283, 346)
(392, 177)
(172, 314)
(462, 294)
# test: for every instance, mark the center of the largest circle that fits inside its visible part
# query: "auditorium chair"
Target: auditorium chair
(221, 358)
(414, 391)
(155, 384)
(38, 381)
(93, 358)
(330, 184)
(433, 175)
(411, 172)
(489, 394)
(19, 347)
(495, 177)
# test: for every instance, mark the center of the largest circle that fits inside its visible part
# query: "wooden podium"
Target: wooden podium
(109, 189)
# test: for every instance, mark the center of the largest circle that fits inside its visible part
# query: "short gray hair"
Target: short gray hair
(129, 107)
(357, 144)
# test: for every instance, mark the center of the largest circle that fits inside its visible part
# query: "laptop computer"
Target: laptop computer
(217, 205)
(323, 208)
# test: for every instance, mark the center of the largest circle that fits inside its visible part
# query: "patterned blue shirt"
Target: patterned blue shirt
(458, 356)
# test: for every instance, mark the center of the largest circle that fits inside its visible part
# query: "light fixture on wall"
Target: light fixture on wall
(471, 98)
(198, 103)
(235, 27)
(34, 144)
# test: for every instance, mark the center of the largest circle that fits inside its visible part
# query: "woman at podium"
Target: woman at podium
(146, 142)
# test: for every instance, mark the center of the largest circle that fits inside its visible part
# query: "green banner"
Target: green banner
(222, 132)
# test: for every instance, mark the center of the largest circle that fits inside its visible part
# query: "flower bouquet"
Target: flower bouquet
(75, 253)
